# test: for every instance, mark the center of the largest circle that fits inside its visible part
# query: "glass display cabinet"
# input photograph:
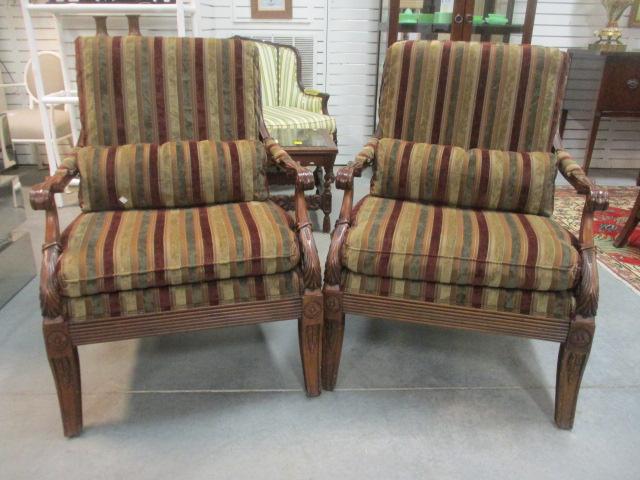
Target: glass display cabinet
(484, 20)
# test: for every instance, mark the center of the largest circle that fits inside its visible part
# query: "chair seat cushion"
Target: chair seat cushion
(413, 241)
(526, 302)
(125, 250)
(292, 117)
(278, 286)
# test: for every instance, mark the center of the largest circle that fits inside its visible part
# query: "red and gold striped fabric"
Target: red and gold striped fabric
(446, 175)
(113, 251)
(157, 89)
(473, 95)
(174, 174)
(412, 241)
(527, 302)
(278, 286)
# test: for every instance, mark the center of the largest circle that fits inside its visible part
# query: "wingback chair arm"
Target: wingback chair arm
(310, 262)
(597, 198)
(42, 197)
(316, 93)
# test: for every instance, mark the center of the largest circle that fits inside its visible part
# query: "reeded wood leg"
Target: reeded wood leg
(310, 335)
(572, 360)
(631, 224)
(65, 366)
(591, 142)
(333, 333)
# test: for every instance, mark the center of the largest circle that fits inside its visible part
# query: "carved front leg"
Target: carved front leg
(310, 336)
(572, 360)
(65, 366)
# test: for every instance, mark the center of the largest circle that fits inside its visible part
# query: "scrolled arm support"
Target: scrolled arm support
(42, 197)
(366, 157)
(597, 199)
(311, 271)
(277, 155)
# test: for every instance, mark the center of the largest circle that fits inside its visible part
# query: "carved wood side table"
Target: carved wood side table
(312, 148)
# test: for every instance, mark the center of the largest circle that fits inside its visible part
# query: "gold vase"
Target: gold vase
(609, 36)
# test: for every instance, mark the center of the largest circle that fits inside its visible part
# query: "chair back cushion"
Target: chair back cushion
(473, 95)
(268, 54)
(174, 174)
(156, 89)
(479, 178)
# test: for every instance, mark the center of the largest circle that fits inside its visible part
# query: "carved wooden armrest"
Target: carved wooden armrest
(41, 195)
(277, 154)
(366, 157)
(597, 198)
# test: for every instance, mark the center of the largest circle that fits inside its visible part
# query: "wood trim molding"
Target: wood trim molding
(135, 326)
(451, 316)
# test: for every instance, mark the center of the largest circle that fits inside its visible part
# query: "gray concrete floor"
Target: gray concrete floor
(412, 402)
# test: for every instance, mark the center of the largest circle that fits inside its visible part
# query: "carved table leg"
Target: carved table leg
(572, 360)
(329, 178)
(63, 358)
(310, 336)
(333, 333)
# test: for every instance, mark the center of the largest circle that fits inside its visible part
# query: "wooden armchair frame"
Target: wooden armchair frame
(574, 334)
(62, 337)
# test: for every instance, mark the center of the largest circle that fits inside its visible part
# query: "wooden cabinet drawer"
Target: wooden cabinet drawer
(621, 81)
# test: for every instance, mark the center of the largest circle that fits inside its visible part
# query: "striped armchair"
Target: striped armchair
(457, 229)
(176, 232)
(285, 101)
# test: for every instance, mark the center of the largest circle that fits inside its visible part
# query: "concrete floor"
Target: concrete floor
(412, 402)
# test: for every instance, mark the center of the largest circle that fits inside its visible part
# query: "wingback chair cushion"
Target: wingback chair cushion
(174, 174)
(447, 175)
(472, 95)
(106, 252)
(157, 89)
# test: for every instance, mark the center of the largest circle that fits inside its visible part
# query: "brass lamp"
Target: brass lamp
(609, 37)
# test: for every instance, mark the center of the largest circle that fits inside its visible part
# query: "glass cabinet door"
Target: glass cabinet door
(498, 20)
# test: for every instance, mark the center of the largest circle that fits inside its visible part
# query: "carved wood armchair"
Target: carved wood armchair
(176, 232)
(456, 231)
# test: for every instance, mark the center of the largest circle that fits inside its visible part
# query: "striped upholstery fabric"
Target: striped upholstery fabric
(292, 117)
(279, 286)
(473, 95)
(412, 241)
(157, 89)
(134, 249)
(174, 174)
(527, 302)
(269, 79)
(446, 175)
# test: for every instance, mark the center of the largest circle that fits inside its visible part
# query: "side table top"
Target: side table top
(319, 139)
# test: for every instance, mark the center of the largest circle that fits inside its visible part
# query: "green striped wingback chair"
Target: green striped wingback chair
(457, 229)
(176, 232)
(285, 101)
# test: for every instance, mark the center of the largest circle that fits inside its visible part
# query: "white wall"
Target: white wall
(343, 38)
